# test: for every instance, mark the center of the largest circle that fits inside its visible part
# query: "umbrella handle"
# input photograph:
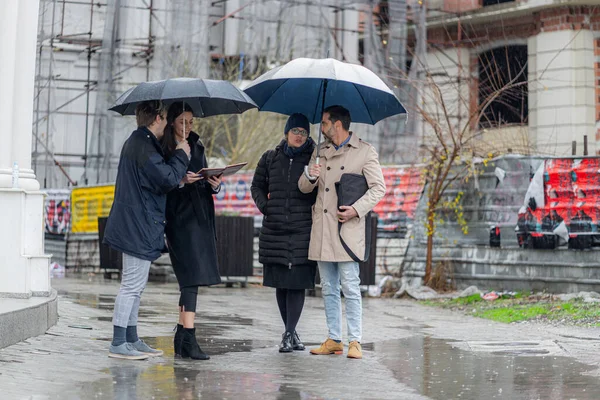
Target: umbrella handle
(314, 178)
(307, 174)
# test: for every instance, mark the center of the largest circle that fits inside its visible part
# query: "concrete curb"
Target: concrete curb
(27, 318)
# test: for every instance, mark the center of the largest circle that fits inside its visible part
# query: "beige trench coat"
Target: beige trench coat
(356, 157)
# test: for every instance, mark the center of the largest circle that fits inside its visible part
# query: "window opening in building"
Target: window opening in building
(503, 72)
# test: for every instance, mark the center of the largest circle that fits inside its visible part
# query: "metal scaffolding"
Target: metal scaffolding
(90, 51)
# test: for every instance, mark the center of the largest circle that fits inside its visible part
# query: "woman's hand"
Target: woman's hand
(215, 181)
(190, 177)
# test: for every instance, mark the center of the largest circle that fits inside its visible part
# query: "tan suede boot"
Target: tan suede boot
(354, 350)
(329, 346)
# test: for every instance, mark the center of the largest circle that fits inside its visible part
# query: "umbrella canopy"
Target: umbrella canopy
(300, 86)
(206, 97)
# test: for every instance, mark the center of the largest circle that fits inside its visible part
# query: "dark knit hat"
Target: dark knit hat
(297, 121)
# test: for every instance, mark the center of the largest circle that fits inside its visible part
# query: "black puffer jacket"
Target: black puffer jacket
(285, 234)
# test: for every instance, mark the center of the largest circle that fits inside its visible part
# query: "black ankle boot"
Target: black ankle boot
(286, 343)
(296, 343)
(177, 340)
(190, 347)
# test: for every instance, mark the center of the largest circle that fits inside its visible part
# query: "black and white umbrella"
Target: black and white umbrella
(308, 86)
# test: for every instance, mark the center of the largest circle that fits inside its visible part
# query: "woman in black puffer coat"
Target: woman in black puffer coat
(285, 234)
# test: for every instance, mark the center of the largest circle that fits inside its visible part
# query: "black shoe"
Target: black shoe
(296, 343)
(286, 343)
(177, 340)
(190, 347)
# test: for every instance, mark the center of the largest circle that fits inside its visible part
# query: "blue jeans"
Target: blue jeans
(332, 273)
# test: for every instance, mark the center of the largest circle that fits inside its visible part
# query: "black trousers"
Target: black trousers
(188, 298)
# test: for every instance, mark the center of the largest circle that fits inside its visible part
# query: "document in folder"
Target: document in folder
(225, 171)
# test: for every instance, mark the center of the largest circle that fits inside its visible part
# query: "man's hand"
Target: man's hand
(315, 171)
(346, 213)
(185, 146)
(214, 181)
(190, 177)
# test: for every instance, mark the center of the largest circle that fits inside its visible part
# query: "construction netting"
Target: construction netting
(490, 199)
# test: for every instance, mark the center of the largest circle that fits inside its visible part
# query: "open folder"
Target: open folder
(228, 170)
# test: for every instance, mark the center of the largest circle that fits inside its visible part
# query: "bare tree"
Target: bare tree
(241, 138)
(453, 123)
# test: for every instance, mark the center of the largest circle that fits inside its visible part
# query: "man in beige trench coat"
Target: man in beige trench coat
(343, 152)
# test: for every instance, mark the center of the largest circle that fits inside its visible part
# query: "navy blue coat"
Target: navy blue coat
(136, 222)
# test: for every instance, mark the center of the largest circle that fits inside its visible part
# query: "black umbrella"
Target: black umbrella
(206, 97)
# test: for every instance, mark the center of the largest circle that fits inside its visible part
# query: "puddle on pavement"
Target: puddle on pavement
(510, 344)
(580, 337)
(439, 370)
(107, 302)
(104, 302)
(209, 325)
(187, 379)
(533, 352)
(211, 346)
(99, 301)
(410, 328)
(103, 319)
(131, 381)
(226, 320)
(409, 324)
(209, 332)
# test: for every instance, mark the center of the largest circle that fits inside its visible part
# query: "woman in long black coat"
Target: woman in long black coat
(285, 233)
(190, 229)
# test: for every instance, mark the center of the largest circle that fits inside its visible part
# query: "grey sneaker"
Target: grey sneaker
(126, 351)
(142, 347)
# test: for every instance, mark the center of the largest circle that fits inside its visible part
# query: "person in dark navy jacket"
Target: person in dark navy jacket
(136, 222)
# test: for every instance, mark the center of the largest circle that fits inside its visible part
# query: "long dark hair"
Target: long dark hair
(169, 140)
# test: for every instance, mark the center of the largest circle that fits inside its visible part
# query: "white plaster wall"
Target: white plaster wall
(561, 91)
(445, 66)
(506, 139)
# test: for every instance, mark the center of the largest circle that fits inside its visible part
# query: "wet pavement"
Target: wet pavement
(439, 370)
(410, 352)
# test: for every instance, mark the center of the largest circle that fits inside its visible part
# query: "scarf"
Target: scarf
(292, 152)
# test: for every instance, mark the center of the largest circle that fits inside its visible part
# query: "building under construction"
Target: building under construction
(90, 51)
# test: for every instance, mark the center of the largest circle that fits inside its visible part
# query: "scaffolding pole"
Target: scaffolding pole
(87, 97)
(175, 42)
(68, 42)
(49, 98)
